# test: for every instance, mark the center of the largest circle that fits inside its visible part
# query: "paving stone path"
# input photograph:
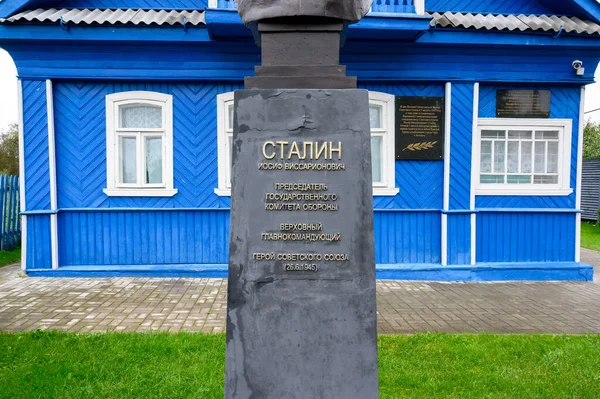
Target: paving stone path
(186, 304)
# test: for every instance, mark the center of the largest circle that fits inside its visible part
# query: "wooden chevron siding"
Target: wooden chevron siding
(460, 146)
(525, 237)
(459, 239)
(421, 183)
(565, 105)
(35, 132)
(488, 6)
(81, 145)
(407, 237)
(143, 238)
(38, 242)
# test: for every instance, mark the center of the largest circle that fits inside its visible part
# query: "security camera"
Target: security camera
(578, 66)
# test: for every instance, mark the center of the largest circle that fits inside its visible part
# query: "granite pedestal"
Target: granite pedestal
(301, 320)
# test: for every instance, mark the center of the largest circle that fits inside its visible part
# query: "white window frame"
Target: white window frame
(387, 132)
(224, 131)
(562, 188)
(114, 187)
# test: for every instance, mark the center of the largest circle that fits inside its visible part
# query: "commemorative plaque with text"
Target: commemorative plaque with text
(523, 103)
(301, 301)
(420, 128)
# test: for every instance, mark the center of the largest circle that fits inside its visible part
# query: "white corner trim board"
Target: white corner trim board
(446, 204)
(52, 171)
(579, 175)
(472, 188)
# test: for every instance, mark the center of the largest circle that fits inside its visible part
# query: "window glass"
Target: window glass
(540, 157)
(512, 159)
(486, 156)
(138, 116)
(154, 160)
(499, 153)
(552, 157)
(128, 160)
(526, 156)
(230, 116)
(376, 158)
(375, 114)
(519, 156)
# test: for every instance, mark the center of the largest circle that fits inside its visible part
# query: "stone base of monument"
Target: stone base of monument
(301, 318)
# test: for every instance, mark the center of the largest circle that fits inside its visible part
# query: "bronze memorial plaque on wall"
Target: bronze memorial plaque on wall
(523, 104)
(420, 128)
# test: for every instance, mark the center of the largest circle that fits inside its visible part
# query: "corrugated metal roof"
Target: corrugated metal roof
(515, 22)
(118, 16)
(446, 20)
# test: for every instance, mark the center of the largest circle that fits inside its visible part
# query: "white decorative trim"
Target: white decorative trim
(137, 192)
(52, 172)
(113, 101)
(387, 133)
(564, 172)
(473, 161)
(579, 174)
(524, 191)
(223, 192)
(223, 152)
(444, 239)
(385, 191)
(213, 4)
(447, 132)
(22, 175)
(419, 6)
(446, 204)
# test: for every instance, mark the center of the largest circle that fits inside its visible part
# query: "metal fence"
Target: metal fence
(10, 226)
(590, 189)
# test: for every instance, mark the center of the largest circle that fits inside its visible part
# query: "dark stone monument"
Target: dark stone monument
(301, 317)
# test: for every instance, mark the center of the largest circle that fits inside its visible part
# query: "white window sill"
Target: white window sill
(223, 192)
(377, 191)
(531, 192)
(140, 192)
(385, 191)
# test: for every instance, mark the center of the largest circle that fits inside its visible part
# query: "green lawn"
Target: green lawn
(590, 236)
(61, 365)
(8, 257)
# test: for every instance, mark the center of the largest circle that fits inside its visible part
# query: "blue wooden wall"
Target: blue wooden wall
(37, 180)
(81, 145)
(112, 237)
(407, 237)
(525, 237)
(530, 237)
(98, 230)
(564, 104)
(375, 61)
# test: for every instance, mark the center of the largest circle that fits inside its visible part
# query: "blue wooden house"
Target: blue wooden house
(125, 128)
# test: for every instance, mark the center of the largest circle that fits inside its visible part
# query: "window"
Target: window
(139, 144)
(523, 157)
(381, 113)
(224, 141)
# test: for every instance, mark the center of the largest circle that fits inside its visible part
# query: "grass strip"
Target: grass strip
(187, 365)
